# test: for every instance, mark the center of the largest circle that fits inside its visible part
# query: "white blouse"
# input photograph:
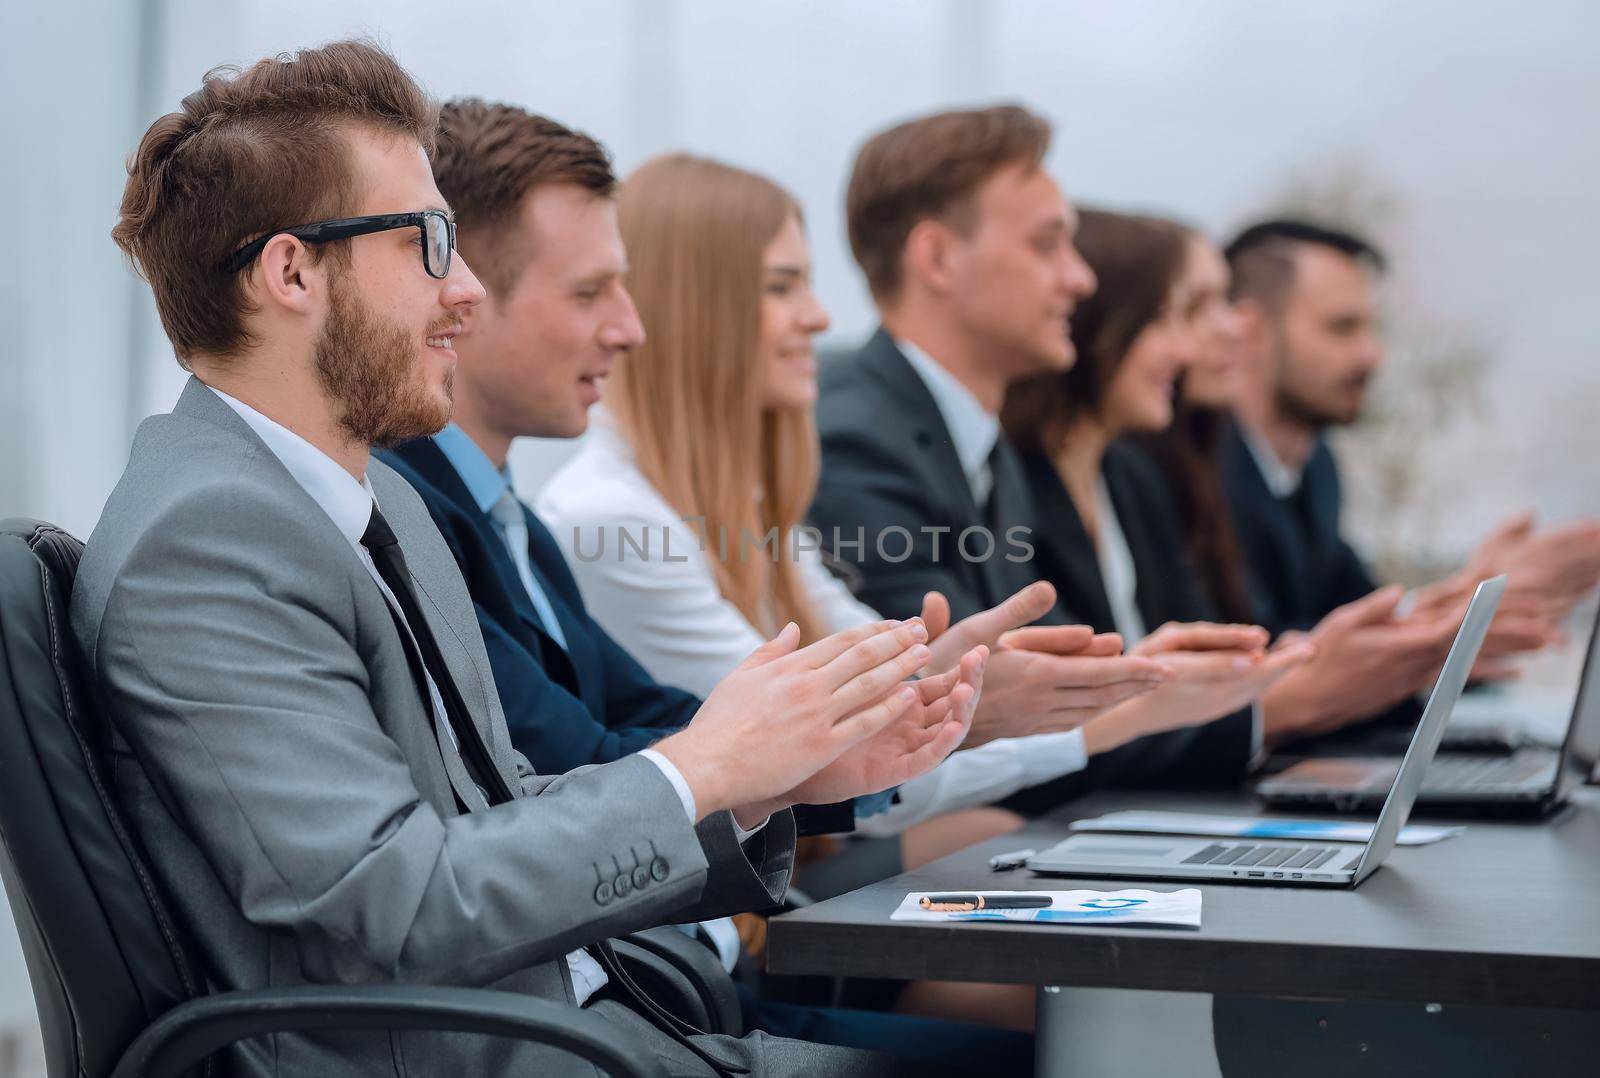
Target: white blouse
(1117, 570)
(646, 580)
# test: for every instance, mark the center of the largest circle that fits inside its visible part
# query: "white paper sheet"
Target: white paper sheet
(1193, 823)
(1132, 906)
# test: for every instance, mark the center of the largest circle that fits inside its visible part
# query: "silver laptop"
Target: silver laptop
(1530, 781)
(1322, 864)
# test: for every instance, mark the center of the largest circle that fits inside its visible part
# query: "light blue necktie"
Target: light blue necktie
(507, 514)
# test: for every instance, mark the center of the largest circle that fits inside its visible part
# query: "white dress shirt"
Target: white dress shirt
(1117, 570)
(666, 608)
(973, 429)
(349, 503)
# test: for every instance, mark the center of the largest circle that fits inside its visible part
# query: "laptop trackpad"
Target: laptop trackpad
(1340, 773)
(1155, 851)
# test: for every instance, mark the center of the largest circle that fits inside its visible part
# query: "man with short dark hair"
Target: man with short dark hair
(309, 740)
(1306, 294)
(1309, 310)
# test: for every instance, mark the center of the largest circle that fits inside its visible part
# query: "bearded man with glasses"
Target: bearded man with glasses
(305, 729)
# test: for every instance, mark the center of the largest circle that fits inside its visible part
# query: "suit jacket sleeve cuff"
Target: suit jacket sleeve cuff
(680, 785)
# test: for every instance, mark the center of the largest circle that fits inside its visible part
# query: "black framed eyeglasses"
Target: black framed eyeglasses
(438, 237)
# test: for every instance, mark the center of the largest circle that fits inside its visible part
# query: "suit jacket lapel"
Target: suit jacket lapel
(1289, 592)
(1073, 562)
(198, 401)
(429, 461)
(937, 452)
(430, 564)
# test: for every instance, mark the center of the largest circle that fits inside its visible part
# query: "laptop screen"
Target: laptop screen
(1425, 742)
(1581, 748)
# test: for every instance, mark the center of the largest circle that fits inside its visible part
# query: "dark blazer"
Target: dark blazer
(888, 465)
(1298, 566)
(1168, 590)
(587, 703)
(1299, 569)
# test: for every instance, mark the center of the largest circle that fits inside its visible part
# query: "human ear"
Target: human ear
(930, 255)
(284, 276)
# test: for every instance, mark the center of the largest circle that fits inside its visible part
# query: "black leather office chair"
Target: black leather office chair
(116, 991)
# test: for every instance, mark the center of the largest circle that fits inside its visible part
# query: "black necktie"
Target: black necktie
(1000, 513)
(380, 541)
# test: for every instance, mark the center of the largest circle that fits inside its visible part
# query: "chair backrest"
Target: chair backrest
(104, 957)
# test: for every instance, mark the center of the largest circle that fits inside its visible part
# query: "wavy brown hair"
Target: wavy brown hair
(249, 152)
(689, 400)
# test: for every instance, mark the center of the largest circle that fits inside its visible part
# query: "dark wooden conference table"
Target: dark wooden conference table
(1490, 929)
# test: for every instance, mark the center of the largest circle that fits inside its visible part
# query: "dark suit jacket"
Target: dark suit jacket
(1298, 565)
(1168, 590)
(587, 703)
(888, 464)
(1300, 569)
(888, 461)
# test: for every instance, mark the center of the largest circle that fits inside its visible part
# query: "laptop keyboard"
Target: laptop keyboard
(1241, 855)
(1476, 771)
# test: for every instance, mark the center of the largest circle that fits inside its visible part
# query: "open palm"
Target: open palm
(928, 731)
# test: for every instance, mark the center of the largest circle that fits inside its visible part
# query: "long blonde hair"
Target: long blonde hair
(689, 400)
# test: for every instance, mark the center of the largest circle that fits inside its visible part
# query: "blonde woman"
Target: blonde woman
(681, 514)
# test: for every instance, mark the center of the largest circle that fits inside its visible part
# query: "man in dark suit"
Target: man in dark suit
(1306, 296)
(308, 738)
(572, 696)
(967, 245)
(1306, 299)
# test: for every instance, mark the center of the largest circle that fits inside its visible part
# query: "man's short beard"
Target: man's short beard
(1300, 410)
(370, 368)
(1304, 413)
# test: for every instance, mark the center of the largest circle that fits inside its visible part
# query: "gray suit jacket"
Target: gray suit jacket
(297, 799)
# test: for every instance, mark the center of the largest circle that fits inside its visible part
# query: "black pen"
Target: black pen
(967, 903)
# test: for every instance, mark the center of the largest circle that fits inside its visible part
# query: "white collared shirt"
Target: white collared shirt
(1117, 570)
(974, 430)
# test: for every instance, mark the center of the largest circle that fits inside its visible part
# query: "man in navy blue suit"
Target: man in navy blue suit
(537, 222)
(572, 695)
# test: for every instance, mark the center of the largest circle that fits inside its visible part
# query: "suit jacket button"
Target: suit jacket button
(641, 877)
(621, 885)
(658, 869)
(602, 894)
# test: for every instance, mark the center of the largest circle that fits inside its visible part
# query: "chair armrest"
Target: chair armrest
(700, 965)
(194, 1029)
(663, 982)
